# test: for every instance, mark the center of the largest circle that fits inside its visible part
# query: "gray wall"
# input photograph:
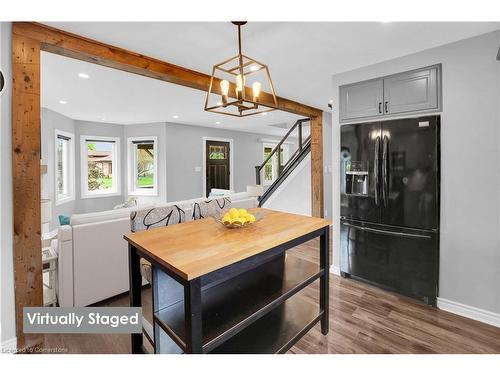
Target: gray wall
(7, 310)
(470, 253)
(104, 130)
(180, 151)
(160, 132)
(185, 152)
(51, 121)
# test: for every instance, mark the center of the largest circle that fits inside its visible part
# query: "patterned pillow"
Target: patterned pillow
(212, 207)
(156, 217)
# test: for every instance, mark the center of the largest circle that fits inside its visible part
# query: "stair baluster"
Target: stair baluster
(284, 170)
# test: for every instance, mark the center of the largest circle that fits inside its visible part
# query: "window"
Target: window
(142, 166)
(100, 160)
(270, 171)
(268, 167)
(64, 156)
(217, 152)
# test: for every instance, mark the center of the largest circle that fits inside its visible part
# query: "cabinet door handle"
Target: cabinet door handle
(379, 107)
(386, 107)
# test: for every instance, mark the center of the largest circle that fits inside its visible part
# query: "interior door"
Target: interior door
(217, 165)
(410, 172)
(360, 171)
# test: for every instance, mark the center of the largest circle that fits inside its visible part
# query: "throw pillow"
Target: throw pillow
(63, 220)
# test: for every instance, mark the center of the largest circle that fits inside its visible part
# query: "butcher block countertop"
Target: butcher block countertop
(196, 248)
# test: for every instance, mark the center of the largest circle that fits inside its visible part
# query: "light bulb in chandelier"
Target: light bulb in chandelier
(240, 82)
(224, 88)
(256, 88)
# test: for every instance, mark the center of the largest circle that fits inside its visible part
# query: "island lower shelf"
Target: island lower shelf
(277, 331)
(259, 302)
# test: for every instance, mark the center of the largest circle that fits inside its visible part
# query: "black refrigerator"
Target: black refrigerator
(389, 227)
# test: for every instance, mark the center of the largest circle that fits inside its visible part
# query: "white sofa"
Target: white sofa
(93, 256)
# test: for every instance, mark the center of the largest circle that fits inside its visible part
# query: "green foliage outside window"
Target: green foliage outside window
(96, 177)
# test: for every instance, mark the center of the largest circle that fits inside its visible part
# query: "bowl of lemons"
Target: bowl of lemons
(238, 218)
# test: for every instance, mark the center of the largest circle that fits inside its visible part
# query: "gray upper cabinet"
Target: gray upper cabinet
(403, 93)
(362, 99)
(412, 91)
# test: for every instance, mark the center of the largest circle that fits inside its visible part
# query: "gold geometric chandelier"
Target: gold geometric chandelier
(240, 86)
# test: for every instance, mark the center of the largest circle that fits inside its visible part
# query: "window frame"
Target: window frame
(116, 167)
(132, 167)
(274, 160)
(71, 167)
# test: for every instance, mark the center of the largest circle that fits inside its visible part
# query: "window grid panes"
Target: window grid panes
(216, 152)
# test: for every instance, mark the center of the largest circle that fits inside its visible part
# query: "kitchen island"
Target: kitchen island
(219, 290)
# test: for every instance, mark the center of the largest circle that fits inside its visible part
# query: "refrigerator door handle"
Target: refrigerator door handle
(376, 168)
(381, 231)
(385, 188)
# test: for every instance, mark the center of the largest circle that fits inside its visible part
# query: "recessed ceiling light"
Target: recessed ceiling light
(264, 113)
(217, 122)
(63, 102)
(83, 75)
(330, 101)
(175, 116)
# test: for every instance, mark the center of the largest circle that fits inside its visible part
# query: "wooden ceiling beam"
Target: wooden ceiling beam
(81, 48)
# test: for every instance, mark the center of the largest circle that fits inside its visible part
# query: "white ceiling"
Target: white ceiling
(301, 57)
(113, 96)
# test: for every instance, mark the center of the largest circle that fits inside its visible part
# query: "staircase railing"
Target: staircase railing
(278, 150)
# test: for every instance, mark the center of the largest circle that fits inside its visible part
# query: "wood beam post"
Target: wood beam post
(26, 180)
(317, 207)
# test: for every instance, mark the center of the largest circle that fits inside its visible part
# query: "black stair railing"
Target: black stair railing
(278, 150)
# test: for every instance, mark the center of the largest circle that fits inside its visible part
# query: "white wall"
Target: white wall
(469, 242)
(294, 194)
(7, 310)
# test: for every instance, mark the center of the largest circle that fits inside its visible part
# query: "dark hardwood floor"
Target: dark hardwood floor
(363, 319)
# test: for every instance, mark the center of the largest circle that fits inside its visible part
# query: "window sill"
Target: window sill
(139, 193)
(62, 201)
(100, 195)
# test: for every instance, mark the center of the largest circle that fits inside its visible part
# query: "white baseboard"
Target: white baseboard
(335, 270)
(9, 346)
(471, 312)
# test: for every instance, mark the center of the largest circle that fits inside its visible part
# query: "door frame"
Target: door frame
(204, 168)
